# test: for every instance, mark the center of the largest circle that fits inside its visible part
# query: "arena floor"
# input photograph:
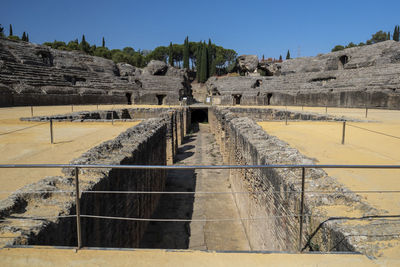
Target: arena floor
(374, 142)
(24, 142)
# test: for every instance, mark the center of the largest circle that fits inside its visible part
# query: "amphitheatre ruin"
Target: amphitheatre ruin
(102, 160)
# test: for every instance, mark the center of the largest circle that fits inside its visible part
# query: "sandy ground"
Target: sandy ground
(322, 141)
(29, 143)
(70, 257)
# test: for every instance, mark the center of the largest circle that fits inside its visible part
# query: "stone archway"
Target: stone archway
(343, 61)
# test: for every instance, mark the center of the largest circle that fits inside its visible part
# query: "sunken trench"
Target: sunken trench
(250, 209)
(47, 208)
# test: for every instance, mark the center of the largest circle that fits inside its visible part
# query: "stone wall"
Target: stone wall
(178, 121)
(264, 114)
(273, 198)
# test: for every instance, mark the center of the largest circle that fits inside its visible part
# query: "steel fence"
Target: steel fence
(301, 214)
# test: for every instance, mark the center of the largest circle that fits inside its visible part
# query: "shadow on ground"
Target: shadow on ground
(174, 235)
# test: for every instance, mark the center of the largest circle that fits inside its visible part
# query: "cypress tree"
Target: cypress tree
(198, 61)
(1, 31)
(288, 55)
(11, 31)
(388, 36)
(210, 56)
(186, 51)
(103, 43)
(84, 46)
(170, 55)
(280, 57)
(204, 64)
(27, 37)
(23, 38)
(396, 33)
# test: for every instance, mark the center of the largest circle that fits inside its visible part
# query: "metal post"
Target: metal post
(326, 109)
(51, 131)
(97, 107)
(301, 214)
(302, 107)
(366, 111)
(344, 132)
(286, 118)
(112, 117)
(31, 111)
(78, 209)
(72, 108)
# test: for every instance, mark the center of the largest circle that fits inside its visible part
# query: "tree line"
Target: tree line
(24, 36)
(379, 36)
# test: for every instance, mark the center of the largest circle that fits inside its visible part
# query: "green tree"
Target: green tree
(198, 61)
(56, 45)
(350, 45)
(396, 33)
(288, 55)
(73, 45)
(159, 53)
(1, 31)
(211, 57)
(379, 36)
(102, 52)
(186, 53)
(280, 57)
(170, 55)
(11, 31)
(388, 36)
(27, 37)
(177, 54)
(337, 48)
(103, 42)
(13, 37)
(23, 38)
(129, 50)
(120, 56)
(204, 64)
(84, 46)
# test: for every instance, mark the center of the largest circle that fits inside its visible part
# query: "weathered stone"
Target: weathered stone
(156, 67)
(126, 69)
(243, 142)
(270, 69)
(355, 77)
(72, 77)
(247, 63)
(152, 142)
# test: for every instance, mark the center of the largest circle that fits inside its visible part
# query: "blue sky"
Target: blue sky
(249, 27)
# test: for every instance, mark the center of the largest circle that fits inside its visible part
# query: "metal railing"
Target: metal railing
(301, 214)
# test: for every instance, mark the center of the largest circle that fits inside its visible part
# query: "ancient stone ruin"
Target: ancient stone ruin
(33, 74)
(36, 75)
(355, 77)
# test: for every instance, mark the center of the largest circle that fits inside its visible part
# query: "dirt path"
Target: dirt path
(198, 149)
